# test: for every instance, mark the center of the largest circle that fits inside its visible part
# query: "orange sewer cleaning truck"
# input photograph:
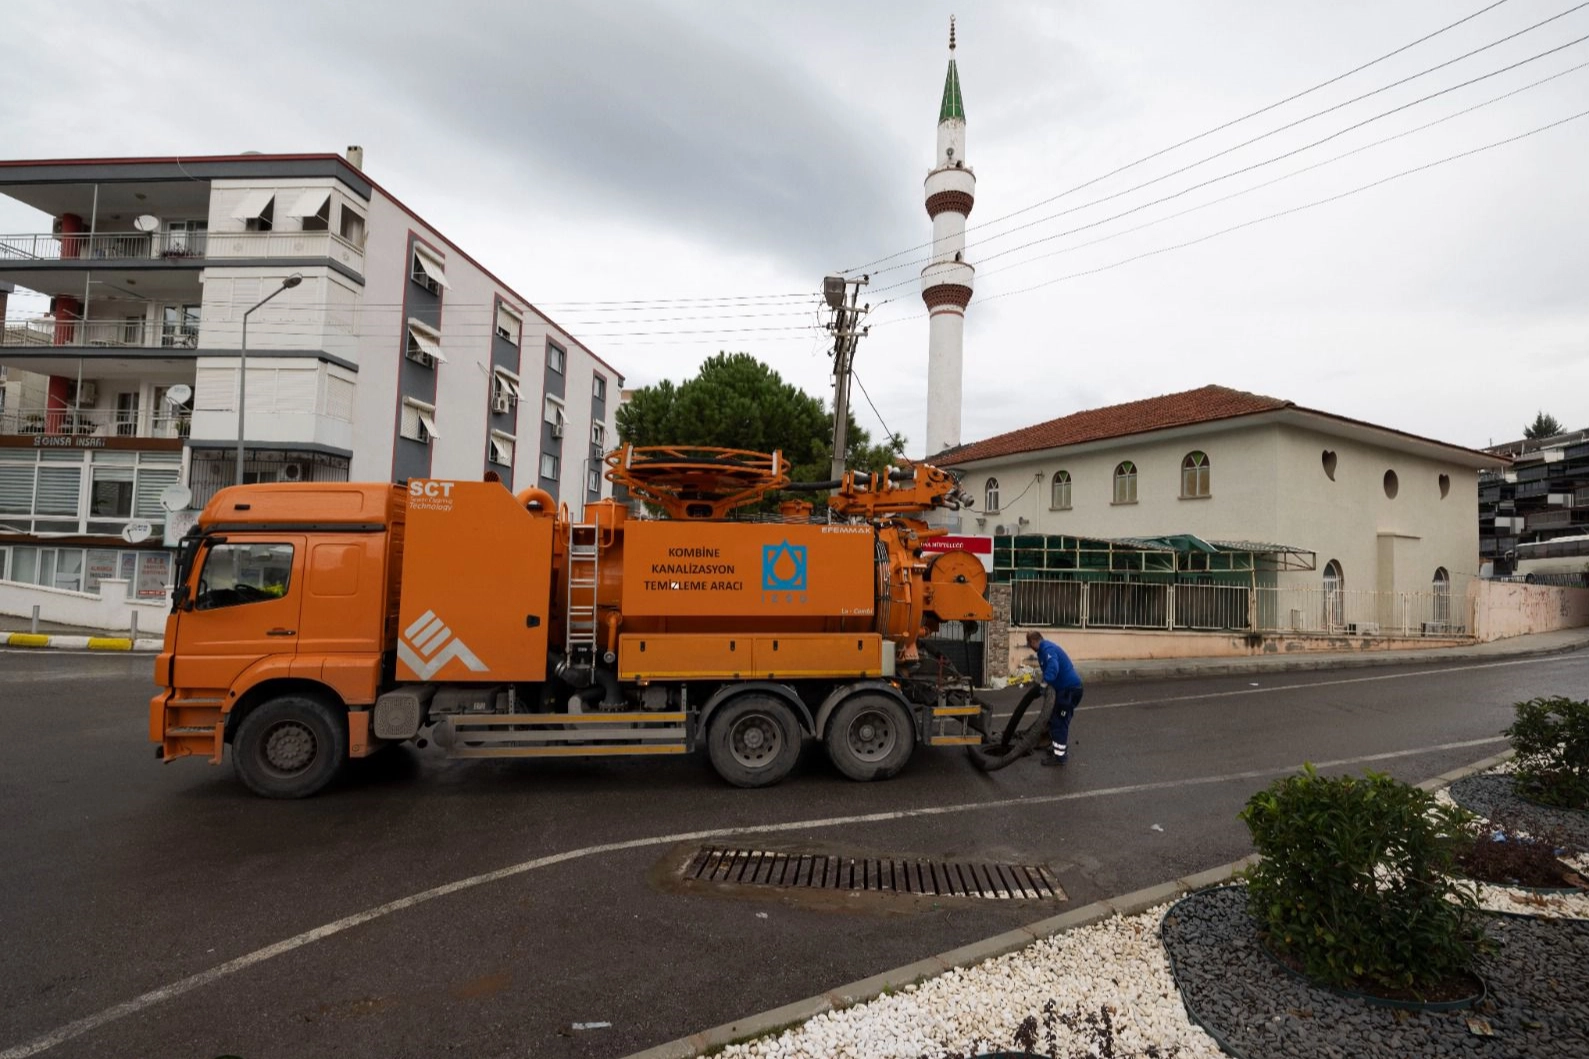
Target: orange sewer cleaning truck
(316, 622)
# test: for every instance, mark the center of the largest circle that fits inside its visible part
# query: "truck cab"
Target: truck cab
(286, 596)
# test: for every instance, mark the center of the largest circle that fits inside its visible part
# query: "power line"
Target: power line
(1279, 179)
(1283, 128)
(1268, 217)
(881, 421)
(1255, 165)
(1299, 209)
(1207, 132)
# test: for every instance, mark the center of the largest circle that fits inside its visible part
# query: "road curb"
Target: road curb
(1125, 671)
(760, 1025)
(77, 643)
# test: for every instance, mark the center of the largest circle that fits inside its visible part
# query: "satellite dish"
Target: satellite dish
(178, 395)
(136, 532)
(148, 222)
(176, 497)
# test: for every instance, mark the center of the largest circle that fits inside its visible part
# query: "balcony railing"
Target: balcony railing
(93, 422)
(48, 331)
(177, 246)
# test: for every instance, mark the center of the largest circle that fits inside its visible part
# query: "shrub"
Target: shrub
(1355, 885)
(1551, 738)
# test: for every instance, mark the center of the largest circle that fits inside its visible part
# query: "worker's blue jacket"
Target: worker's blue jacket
(1058, 670)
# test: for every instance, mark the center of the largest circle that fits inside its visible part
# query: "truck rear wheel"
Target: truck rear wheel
(870, 737)
(754, 741)
(289, 747)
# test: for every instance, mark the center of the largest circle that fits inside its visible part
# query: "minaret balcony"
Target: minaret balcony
(951, 178)
(941, 273)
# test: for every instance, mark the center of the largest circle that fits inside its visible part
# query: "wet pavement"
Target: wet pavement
(166, 885)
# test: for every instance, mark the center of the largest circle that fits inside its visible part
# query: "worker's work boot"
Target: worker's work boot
(1055, 756)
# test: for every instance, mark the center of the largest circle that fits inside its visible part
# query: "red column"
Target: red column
(57, 405)
(68, 316)
(71, 224)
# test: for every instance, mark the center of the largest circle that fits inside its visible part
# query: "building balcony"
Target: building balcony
(181, 249)
(77, 428)
(45, 332)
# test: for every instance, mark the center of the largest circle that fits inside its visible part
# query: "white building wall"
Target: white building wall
(1382, 543)
(1267, 484)
(380, 336)
(1241, 504)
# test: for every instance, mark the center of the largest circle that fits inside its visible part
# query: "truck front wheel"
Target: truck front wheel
(754, 741)
(289, 747)
(870, 738)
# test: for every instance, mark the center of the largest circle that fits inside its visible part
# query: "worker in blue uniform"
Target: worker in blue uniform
(1063, 685)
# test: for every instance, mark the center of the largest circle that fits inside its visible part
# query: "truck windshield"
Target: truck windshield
(235, 574)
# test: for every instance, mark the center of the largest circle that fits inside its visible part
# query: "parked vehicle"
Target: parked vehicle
(317, 622)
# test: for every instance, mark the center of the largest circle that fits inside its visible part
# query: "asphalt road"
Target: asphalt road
(160, 911)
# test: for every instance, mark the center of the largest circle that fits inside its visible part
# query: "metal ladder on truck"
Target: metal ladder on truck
(584, 575)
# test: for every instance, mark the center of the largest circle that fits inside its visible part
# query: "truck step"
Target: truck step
(647, 750)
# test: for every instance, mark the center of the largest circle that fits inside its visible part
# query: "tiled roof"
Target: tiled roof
(1203, 405)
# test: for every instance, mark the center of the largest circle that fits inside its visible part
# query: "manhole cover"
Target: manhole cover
(818, 871)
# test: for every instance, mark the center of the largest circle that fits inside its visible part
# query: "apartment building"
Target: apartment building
(376, 349)
(1542, 495)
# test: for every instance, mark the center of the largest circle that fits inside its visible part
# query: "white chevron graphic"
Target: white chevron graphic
(429, 644)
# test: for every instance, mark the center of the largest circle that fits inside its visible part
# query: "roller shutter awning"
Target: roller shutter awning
(427, 340)
(310, 203)
(432, 266)
(253, 205)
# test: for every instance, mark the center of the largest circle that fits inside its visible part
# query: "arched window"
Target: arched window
(1442, 595)
(1126, 483)
(1334, 595)
(1060, 500)
(990, 495)
(1194, 474)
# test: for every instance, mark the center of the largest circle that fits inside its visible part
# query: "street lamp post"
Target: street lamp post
(242, 366)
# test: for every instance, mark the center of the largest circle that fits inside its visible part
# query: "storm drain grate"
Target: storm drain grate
(817, 871)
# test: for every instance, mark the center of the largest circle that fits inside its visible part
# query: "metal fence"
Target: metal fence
(1237, 608)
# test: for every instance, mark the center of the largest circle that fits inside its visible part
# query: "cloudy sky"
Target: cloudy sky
(709, 162)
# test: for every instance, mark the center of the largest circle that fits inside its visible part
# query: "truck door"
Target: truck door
(245, 605)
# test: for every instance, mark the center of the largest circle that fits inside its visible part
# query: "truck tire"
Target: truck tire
(870, 737)
(754, 740)
(289, 747)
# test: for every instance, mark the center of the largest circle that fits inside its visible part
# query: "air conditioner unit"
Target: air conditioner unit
(87, 393)
(1001, 530)
(557, 426)
(421, 357)
(1362, 628)
(501, 403)
(292, 472)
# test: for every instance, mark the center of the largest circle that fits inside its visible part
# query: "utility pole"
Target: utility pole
(842, 295)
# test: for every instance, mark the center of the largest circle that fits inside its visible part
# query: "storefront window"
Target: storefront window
(69, 569)
(102, 566)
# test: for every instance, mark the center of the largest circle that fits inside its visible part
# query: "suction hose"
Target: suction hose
(1016, 742)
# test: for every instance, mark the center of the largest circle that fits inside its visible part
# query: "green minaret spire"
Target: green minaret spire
(954, 106)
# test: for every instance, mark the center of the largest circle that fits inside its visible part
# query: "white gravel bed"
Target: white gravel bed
(1117, 965)
(1527, 903)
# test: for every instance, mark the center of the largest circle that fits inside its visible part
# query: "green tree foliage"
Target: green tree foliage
(1544, 426)
(735, 401)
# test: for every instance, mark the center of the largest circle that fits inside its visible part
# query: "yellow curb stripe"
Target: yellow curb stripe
(27, 639)
(109, 643)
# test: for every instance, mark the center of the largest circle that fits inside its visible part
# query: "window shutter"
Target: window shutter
(152, 481)
(16, 483)
(58, 490)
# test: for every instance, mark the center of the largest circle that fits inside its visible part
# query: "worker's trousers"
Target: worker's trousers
(1065, 701)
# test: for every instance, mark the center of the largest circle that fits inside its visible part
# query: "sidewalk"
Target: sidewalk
(1117, 670)
(17, 632)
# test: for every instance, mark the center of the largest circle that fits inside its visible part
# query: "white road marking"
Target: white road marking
(309, 937)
